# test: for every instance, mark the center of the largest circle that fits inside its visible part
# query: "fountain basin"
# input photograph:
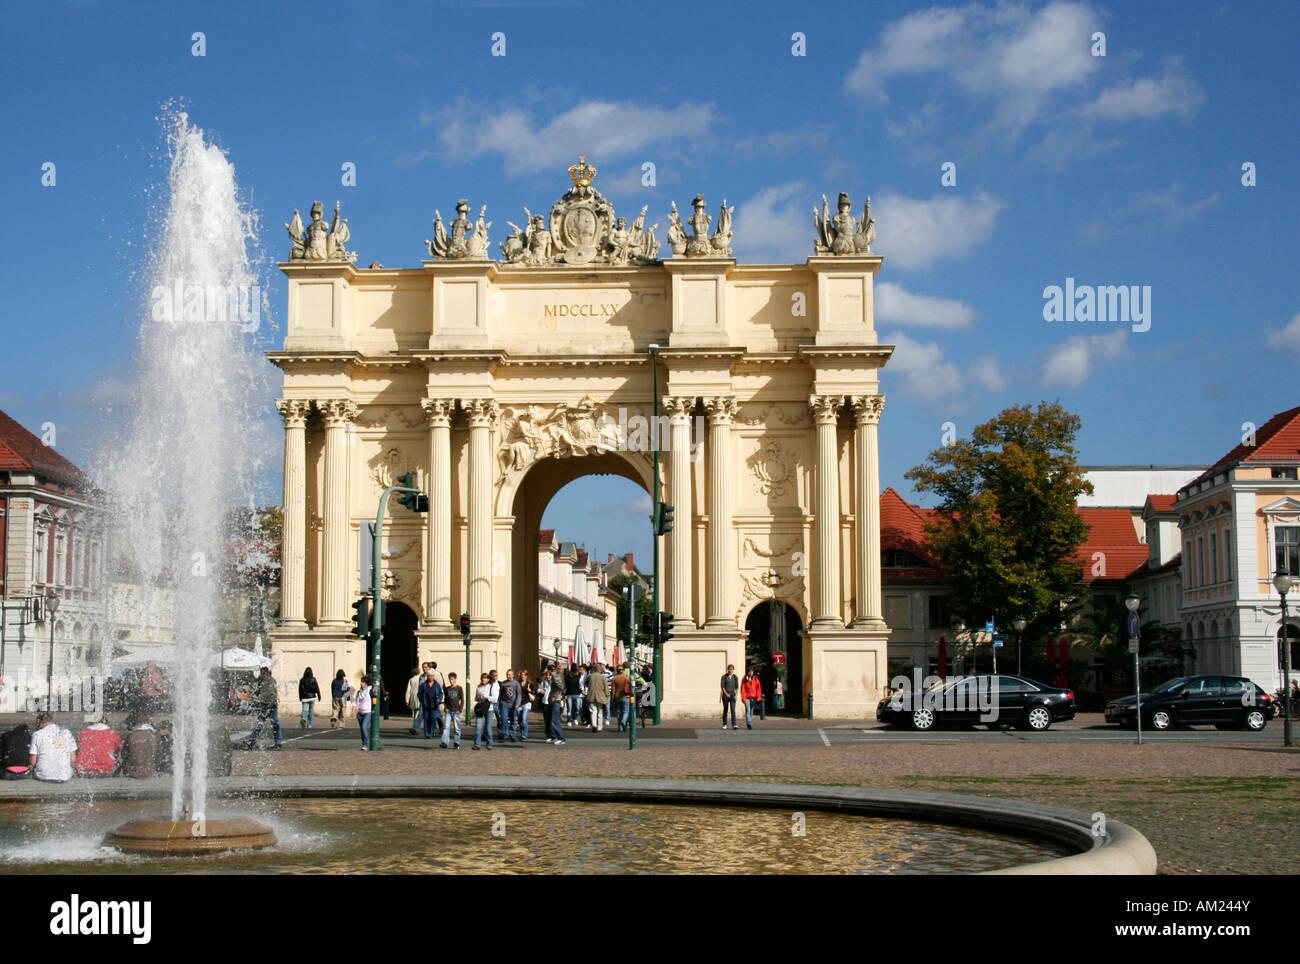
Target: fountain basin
(179, 837)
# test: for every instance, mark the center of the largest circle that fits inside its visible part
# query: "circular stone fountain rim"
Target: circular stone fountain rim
(1121, 850)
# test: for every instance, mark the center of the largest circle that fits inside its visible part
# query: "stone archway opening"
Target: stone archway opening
(774, 646)
(540, 486)
(401, 654)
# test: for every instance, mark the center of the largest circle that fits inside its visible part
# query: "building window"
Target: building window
(1188, 565)
(39, 545)
(1286, 545)
(940, 617)
(1284, 473)
(900, 559)
(1200, 561)
(60, 559)
(1214, 558)
(1227, 555)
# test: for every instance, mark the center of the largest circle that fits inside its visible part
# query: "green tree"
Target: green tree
(643, 605)
(1006, 528)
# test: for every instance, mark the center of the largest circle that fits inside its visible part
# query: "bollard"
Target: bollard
(810, 715)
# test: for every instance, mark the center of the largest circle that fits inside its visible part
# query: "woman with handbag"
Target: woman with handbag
(527, 696)
(485, 709)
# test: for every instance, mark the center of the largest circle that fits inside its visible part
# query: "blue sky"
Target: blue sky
(1117, 170)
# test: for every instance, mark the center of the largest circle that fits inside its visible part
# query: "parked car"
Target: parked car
(1229, 702)
(994, 700)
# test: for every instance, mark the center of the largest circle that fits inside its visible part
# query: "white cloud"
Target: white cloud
(924, 372)
(600, 129)
(895, 304)
(1174, 91)
(912, 232)
(1288, 337)
(775, 225)
(1075, 359)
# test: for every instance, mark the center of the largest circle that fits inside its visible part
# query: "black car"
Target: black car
(994, 700)
(1226, 701)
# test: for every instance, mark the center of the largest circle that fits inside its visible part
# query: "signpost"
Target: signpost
(1134, 624)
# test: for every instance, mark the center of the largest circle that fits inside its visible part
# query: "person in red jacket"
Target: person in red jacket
(751, 691)
(100, 750)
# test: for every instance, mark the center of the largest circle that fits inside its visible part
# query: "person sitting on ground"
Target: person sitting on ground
(15, 750)
(100, 753)
(53, 752)
(141, 757)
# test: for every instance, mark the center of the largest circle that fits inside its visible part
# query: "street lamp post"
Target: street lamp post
(1019, 624)
(1131, 603)
(1283, 583)
(958, 627)
(51, 607)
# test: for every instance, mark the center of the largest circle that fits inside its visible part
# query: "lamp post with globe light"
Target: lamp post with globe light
(1019, 624)
(1283, 583)
(51, 607)
(1131, 602)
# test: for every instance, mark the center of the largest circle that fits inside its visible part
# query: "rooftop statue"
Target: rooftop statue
(467, 239)
(700, 244)
(841, 234)
(318, 241)
(581, 229)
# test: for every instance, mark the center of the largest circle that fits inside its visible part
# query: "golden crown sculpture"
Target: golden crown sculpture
(582, 173)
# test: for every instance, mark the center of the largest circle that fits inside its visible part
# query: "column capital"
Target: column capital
(868, 408)
(721, 409)
(337, 411)
(294, 411)
(825, 408)
(482, 412)
(438, 411)
(678, 406)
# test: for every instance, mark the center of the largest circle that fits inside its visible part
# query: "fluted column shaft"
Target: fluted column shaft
(826, 565)
(437, 565)
(722, 563)
(679, 496)
(339, 414)
(482, 414)
(293, 537)
(866, 411)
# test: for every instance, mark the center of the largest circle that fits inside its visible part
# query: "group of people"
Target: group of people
(750, 690)
(54, 754)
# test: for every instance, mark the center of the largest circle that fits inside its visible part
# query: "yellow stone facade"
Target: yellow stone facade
(500, 384)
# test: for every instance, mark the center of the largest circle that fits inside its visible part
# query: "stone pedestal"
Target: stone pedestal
(694, 663)
(848, 670)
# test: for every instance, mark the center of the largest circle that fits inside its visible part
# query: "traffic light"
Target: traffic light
(415, 501)
(665, 628)
(361, 617)
(648, 624)
(464, 624)
(663, 519)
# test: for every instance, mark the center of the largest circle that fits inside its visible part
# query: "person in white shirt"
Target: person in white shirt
(53, 751)
(489, 691)
(364, 704)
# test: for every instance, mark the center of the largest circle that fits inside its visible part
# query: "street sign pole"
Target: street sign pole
(1133, 627)
(654, 499)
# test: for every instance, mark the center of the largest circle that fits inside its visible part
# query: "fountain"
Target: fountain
(185, 459)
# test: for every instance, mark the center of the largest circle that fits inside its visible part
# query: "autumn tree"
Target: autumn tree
(1006, 527)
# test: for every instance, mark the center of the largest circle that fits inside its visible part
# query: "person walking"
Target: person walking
(555, 725)
(486, 699)
(778, 690)
(308, 694)
(751, 691)
(730, 686)
(338, 698)
(573, 693)
(527, 696)
(430, 697)
(508, 707)
(413, 697)
(597, 697)
(364, 701)
(453, 701)
(268, 708)
(620, 689)
(608, 673)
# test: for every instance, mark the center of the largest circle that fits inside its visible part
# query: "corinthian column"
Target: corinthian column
(482, 414)
(826, 597)
(679, 496)
(866, 544)
(339, 414)
(722, 562)
(293, 536)
(437, 557)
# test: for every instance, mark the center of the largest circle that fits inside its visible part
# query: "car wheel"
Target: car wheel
(1255, 721)
(923, 719)
(1038, 718)
(1161, 720)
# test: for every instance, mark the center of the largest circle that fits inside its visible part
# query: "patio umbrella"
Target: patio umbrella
(943, 658)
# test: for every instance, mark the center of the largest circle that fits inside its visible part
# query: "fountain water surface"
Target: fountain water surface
(186, 455)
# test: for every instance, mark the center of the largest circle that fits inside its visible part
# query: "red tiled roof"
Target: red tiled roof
(1162, 503)
(1278, 440)
(1111, 532)
(546, 537)
(20, 450)
(902, 525)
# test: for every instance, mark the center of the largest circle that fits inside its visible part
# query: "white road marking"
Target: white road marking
(822, 733)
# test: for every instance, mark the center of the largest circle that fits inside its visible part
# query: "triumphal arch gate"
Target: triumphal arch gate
(501, 380)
